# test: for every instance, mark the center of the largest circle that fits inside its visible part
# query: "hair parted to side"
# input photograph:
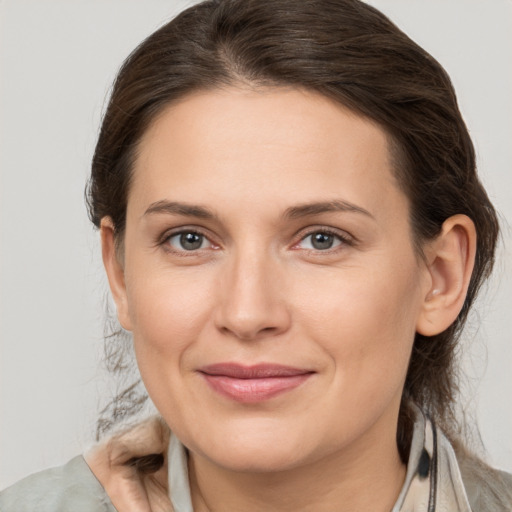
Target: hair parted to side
(351, 53)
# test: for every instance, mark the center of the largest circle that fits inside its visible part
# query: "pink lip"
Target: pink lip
(251, 384)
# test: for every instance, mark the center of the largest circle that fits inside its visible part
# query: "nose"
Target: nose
(252, 298)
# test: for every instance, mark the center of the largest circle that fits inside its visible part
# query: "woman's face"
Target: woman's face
(269, 278)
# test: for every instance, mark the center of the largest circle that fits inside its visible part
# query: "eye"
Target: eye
(321, 241)
(188, 241)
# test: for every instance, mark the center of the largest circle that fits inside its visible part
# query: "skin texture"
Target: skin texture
(258, 291)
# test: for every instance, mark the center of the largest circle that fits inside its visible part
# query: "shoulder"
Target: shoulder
(488, 489)
(69, 487)
(126, 471)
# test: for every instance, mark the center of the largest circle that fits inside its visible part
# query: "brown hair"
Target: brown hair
(352, 53)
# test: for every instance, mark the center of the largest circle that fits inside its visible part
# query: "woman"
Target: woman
(294, 232)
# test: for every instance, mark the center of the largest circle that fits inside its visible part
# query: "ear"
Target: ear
(450, 260)
(115, 272)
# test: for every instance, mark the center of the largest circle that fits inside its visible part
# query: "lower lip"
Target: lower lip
(254, 390)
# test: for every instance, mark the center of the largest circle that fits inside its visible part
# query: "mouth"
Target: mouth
(252, 384)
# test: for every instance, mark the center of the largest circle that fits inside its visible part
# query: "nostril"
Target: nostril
(249, 334)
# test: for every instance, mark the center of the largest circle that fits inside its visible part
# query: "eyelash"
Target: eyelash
(164, 241)
(343, 239)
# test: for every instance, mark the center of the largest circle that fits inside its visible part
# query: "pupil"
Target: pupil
(322, 241)
(191, 241)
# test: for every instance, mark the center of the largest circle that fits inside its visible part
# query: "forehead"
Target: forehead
(246, 145)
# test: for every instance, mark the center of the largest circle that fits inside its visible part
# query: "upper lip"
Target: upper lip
(257, 371)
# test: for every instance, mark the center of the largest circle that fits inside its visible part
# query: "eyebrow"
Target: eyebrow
(177, 208)
(294, 212)
(307, 209)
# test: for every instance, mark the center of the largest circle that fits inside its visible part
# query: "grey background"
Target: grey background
(57, 60)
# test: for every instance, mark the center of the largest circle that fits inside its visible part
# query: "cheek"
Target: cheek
(169, 314)
(168, 310)
(365, 320)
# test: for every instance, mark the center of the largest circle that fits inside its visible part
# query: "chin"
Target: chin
(261, 446)
(257, 459)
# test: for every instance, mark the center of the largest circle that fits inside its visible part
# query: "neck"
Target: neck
(338, 482)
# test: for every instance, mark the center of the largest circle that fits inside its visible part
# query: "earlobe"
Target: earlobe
(115, 272)
(450, 260)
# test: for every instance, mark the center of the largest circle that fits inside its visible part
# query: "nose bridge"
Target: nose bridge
(252, 303)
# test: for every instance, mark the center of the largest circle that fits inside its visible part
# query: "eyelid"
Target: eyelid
(346, 238)
(163, 239)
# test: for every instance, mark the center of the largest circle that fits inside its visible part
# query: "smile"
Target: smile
(252, 384)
